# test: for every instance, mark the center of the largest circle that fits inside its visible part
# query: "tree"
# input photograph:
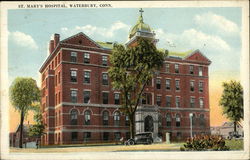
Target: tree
(23, 93)
(232, 101)
(131, 70)
(37, 129)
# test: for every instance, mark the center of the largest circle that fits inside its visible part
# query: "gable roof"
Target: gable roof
(81, 34)
(197, 52)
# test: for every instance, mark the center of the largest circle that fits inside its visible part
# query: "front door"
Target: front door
(149, 124)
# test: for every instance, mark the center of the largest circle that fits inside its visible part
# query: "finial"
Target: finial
(141, 11)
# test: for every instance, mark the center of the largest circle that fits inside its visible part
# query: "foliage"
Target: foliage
(38, 128)
(23, 93)
(131, 69)
(232, 101)
(205, 142)
(235, 144)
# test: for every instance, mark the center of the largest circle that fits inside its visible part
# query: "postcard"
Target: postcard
(125, 80)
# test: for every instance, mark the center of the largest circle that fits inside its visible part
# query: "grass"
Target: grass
(235, 144)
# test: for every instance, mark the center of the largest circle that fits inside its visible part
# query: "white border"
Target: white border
(128, 155)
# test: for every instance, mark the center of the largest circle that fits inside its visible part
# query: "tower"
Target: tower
(142, 30)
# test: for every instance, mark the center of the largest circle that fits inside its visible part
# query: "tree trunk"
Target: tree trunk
(131, 126)
(235, 123)
(21, 130)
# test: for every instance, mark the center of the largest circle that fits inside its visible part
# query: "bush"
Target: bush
(205, 142)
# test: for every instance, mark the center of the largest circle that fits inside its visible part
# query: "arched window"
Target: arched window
(117, 118)
(73, 117)
(159, 120)
(168, 119)
(178, 120)
(202, 120)
(105, 116)
(87, 117)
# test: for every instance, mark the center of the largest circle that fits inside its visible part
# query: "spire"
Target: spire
(140, 18)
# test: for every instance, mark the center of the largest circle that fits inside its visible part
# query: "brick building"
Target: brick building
(80, 106)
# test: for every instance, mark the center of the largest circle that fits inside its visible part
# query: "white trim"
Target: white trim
(87, 70)
(86, 89)
(105, 91)
(74, 89)
(73, 69)
(82, 50)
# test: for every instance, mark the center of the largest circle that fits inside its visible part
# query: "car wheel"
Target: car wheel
(131, 142)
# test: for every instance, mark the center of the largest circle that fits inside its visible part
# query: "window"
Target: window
(177, 102)
(74, 136)
(201, 86)
(117, 136)
(168, 84)
(105, 116)
(105, 79)
(202, 120)
(201, 103)
(158, 83)
(167, 67)
(73, 76)
(146, 97)
(105, 97)
(87, 117)
(192, 102)
(117, 118)
(86, 97)
(176, 68)
(86, 136)
(86, 77)
(178, 120)
(191, 86)
(126, 120)
(73, 57)
(168, 101)
(86, 58)
(73, 96)
(193, 120)
(200, 71)
(168, 119)
(177, 85)
(104, 60)
(158, 100)
(191, 69)
(117, 98)
(106, 136)
(59, 77)
(73, 117)
(159, 120)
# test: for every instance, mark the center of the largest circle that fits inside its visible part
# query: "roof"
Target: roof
(174, 54)
(107, 45)
(139, 26)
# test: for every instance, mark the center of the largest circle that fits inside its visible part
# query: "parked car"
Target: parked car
(141, 138)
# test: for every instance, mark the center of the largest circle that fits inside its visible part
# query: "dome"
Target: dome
(139, 26)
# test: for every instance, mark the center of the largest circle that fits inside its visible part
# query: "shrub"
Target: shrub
(205, 142)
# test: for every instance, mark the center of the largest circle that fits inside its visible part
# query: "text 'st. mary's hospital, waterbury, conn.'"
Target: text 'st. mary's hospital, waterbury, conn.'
(79, 104)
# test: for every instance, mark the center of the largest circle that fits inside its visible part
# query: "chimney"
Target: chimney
(51, 46)
(56, 39)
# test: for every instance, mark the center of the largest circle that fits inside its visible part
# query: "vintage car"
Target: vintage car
(141, 138)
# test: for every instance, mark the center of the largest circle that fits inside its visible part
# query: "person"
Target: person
(122, 140)
(37, 143)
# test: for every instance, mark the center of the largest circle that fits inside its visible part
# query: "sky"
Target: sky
(216, 32)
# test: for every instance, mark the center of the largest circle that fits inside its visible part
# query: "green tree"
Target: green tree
(232, 101)
(131, 70)
(23, 93)
(37, 129)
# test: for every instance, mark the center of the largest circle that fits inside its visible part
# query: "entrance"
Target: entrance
(149, 124)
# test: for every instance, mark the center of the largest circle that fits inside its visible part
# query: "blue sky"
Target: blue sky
(214, 31)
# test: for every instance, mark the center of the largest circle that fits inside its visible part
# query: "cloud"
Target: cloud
(191, 39)
(97, 31)
(217, 23)
(23, 40)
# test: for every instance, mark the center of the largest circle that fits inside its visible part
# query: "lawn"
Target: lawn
(235, 144)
